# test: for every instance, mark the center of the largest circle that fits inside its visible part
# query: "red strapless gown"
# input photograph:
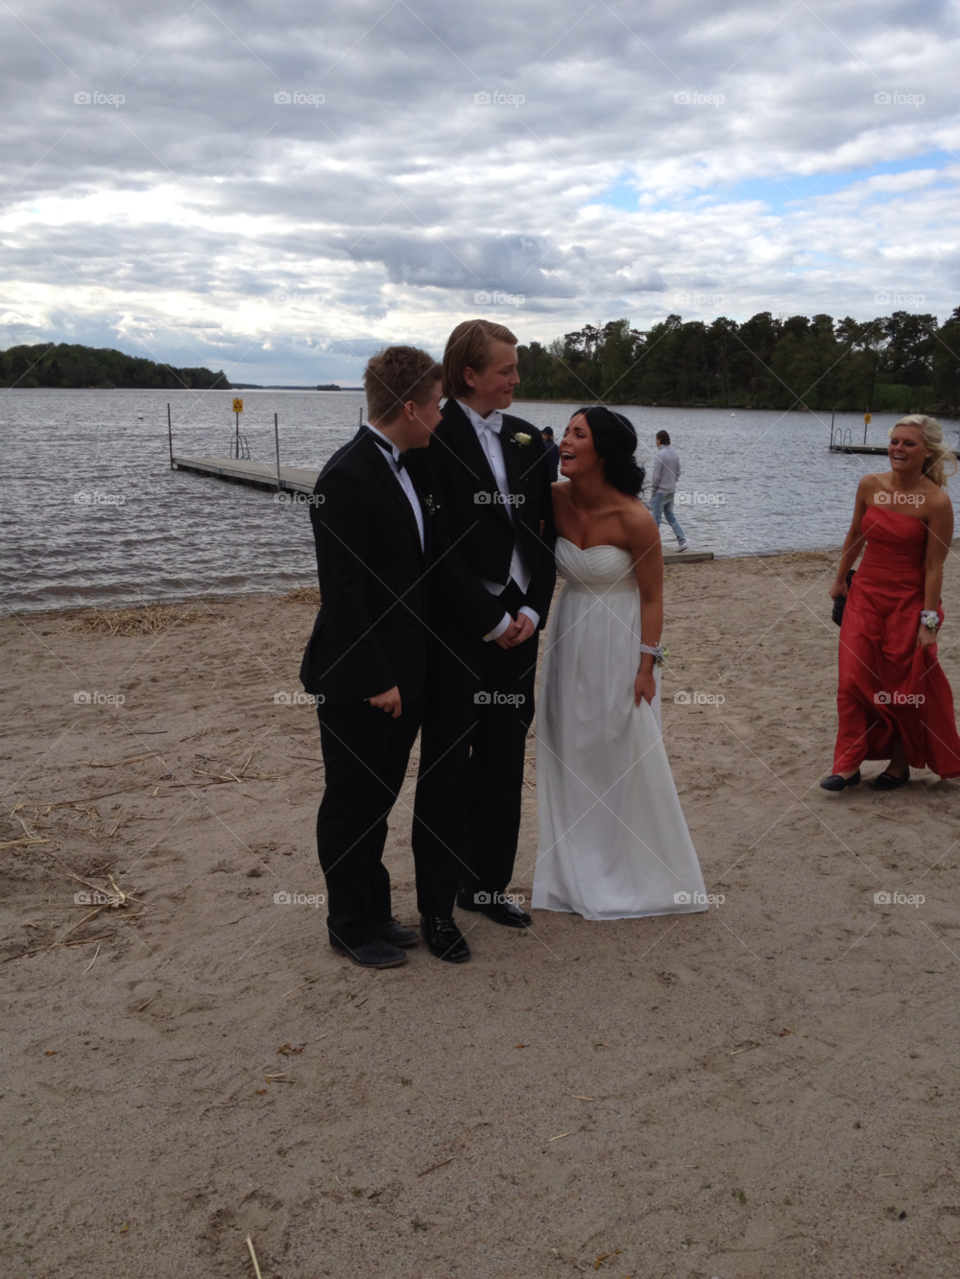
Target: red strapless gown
(886, 681)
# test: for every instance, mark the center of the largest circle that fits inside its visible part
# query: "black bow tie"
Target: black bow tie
(399, 462)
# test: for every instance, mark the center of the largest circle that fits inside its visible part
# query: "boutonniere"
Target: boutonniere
(431, 503)
(521, 438)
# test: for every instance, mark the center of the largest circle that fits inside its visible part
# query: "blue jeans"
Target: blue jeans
(661, 506)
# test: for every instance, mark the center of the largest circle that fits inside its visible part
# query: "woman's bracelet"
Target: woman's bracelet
(930, 619)
(658, 653)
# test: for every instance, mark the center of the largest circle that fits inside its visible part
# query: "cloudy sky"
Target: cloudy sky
(278, 189)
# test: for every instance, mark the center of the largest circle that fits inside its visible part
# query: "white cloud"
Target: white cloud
(175, 220)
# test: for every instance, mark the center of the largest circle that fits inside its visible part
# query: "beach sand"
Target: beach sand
(767, 1089)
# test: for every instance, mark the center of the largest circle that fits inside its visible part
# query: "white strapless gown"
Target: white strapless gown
(613, 840)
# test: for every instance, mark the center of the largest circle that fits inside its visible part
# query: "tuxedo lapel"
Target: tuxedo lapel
(468, 449)
(377, 459)
(512, 462)
(473, 456)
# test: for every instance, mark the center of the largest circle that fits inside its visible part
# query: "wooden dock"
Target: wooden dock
(259, 475)
(876, 449)
(299, 479)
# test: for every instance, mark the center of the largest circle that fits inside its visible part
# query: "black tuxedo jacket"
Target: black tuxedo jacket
(370, 633)
(476, 529)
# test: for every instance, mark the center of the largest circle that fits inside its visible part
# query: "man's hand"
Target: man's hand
(524, 629)
(506, 639)
(388, 701)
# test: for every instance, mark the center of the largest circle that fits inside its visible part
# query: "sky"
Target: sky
(278, 190)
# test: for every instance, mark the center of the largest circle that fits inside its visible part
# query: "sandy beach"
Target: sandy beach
(763, 1091)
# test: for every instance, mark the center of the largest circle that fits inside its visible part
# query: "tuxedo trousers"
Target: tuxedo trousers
(479, 709)
(365, 756)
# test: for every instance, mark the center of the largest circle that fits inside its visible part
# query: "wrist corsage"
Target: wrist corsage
(930, 619)
(658, 653)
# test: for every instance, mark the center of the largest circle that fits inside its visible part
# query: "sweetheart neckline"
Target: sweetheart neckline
(603, 546)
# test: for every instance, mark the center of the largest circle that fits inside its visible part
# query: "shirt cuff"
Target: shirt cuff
(532, 614)
(499, 628)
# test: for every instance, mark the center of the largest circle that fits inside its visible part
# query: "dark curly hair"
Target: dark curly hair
(615, 440)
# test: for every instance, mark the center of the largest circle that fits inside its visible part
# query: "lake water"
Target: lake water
(92, 514)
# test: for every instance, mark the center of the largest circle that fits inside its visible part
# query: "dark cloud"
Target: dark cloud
(190, 206)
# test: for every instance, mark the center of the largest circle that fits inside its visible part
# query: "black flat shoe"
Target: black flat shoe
(397, 935)
(836, 782)
(372, 954)
(495, 907)
(887, 781)
(444, 939)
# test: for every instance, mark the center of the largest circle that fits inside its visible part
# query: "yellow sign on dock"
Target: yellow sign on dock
(867, 419)
(238, 406)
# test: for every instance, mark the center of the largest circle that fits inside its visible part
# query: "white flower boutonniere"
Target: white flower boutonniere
(431, 503)
(521, 437)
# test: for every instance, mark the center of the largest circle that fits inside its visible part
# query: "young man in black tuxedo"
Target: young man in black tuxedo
(367, 657)
(488, 472)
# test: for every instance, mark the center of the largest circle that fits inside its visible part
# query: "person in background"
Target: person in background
(553, 454)
(663, 485)
(893, 699)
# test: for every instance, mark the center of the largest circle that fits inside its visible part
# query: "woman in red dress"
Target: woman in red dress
(894, 700)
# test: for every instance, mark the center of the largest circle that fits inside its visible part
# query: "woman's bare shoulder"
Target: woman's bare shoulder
(636, 519)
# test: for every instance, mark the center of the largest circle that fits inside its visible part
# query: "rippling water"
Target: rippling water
(758, 481)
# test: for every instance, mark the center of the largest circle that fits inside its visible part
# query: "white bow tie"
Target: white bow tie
(492, 423)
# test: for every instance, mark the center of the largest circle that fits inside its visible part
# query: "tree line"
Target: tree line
(66, 365)
(900, 363)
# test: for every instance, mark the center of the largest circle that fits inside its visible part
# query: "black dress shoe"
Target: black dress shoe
(372, 954)
(444, 939)
(495, 907)
(397, 935)
(836, 782)
(887, 781)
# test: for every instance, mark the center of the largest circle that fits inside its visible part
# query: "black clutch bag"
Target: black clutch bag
(840, 603)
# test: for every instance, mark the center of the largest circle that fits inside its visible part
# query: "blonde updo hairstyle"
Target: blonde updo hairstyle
(935, 467)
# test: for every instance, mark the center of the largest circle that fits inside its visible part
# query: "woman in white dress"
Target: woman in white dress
(613, 840)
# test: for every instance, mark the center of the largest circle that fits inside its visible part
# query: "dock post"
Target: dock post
(170, 435)
(833, 414)
(276, 437)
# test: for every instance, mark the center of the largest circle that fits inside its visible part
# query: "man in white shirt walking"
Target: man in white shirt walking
(663, 486)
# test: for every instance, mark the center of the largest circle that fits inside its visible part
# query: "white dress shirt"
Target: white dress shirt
(404, 479)
(488, 432)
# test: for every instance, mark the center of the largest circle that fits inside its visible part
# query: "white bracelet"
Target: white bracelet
(930, 619)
